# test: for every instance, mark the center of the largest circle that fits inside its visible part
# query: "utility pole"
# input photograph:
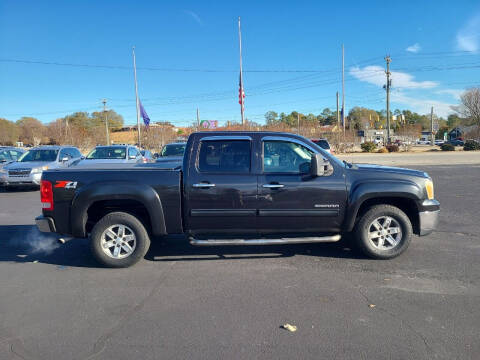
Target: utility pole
(136, 96)
(104, 101)
(198, 120)
(387, 87)
(338, 113)
(431, 126)
(241, 97)
(343, 90)
(298, 123)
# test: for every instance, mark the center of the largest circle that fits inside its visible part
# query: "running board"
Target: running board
(300, 240)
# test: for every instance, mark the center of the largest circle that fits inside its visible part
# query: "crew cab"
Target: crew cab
(239, 188)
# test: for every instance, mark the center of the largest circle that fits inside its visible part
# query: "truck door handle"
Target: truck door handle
(273, 186)
(203, 185)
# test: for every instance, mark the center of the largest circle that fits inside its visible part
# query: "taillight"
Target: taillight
(46, 195)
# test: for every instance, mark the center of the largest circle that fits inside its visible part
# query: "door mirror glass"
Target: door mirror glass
(65, 159)
(319, 166)
(132, 157)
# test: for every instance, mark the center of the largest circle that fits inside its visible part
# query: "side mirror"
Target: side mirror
(132, 157)
(319, 166)
(65, 159)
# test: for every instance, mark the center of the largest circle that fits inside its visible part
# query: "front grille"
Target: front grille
(19, 172)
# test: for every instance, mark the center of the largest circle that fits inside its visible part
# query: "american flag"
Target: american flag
(241, 93)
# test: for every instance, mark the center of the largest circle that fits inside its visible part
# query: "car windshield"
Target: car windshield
(173, 150)
(39, 155)
(107, 153)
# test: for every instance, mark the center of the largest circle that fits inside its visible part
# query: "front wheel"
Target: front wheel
(119, 240)
(383, 232)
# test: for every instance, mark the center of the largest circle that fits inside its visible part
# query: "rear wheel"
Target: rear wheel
(383, 232)
(119, 240)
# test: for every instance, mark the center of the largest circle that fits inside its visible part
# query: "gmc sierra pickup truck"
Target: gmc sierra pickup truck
(239, 188)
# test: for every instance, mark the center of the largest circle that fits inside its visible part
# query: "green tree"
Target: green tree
(115, 121)
(271, 117)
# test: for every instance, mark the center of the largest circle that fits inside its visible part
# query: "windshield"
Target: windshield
(107, 153)
(39, 155)
(173, 150)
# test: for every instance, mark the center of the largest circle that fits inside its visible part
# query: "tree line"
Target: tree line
(81, 129)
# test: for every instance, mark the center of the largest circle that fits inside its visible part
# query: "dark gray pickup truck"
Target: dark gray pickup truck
(239, 188)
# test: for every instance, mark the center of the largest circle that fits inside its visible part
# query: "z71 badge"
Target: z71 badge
(66, 184)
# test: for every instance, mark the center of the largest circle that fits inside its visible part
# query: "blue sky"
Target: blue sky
(187, 56)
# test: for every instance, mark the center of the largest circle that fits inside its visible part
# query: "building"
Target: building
(460, 132)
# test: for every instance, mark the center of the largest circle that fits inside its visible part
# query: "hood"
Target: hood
(87, 162)
(390, 169)
(162, 159)
(28, 165)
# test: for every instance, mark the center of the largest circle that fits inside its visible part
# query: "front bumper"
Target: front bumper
(428, 217)
(29, 180)
(45, 224)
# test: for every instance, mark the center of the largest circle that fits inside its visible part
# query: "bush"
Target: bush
(471, 145)
(393, 148)
(447, 147)
(368, 146)
(382, 150)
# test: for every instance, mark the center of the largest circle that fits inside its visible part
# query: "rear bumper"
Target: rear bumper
(45, 224)
(429, 217)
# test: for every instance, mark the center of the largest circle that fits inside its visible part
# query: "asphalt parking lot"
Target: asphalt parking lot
(230, 302)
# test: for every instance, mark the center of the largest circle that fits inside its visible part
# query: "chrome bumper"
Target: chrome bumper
(428, 221)
(45, 224)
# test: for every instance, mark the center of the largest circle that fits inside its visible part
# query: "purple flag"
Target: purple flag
(145, 117)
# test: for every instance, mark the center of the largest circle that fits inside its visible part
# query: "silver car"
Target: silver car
(112, 154)
(27, 170)
(9, 154)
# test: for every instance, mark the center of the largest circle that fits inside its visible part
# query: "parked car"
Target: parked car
(439, 142)
(456, 142)
(423, 142)
(172, 152)
(147, 156)
(27, 170)
(9, 154)
(242, 188)
(121, 154)
(323, 143)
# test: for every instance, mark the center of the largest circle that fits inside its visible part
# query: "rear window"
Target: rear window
(322, 143)
(231, 156)
(107, 153)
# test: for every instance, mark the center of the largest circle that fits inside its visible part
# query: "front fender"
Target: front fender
(373, 189)
(116, 190)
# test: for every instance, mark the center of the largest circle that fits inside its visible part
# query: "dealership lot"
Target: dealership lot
(230, 302)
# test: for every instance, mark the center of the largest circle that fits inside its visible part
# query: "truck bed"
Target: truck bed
(77, 189)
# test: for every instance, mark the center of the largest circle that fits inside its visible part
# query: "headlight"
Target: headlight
(429, 188)
(39, 170)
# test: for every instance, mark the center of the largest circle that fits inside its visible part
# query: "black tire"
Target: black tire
(142, 240)
(365, 224)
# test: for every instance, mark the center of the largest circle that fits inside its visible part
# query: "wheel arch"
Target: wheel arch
(403, 195)
(98, 199)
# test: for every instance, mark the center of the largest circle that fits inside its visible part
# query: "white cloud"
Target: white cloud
(422, 106)
(194, 16)
(376, 75)
(468, 37)
(414, 48)
(455, 93)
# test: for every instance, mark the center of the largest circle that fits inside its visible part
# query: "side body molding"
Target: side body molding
(370, 189)
(116, 190)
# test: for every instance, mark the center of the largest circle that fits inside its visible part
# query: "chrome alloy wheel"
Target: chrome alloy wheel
(384, 233)
(118, 241)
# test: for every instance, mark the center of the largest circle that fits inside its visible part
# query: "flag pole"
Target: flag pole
(242, 106)
(136, 96)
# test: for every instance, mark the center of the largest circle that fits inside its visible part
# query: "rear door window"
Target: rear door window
(224, 156)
